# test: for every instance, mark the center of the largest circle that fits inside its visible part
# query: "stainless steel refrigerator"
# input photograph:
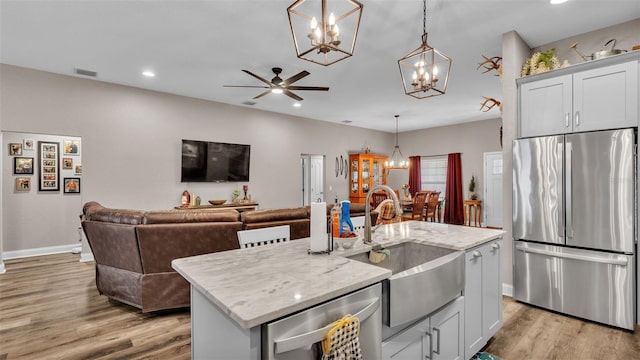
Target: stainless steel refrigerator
(574, 224)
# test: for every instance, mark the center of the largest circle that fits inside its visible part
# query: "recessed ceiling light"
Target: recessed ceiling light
(297, 104)
(148, 73)
(556, 2)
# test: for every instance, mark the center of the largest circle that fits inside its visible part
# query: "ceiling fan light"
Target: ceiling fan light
(276, 90)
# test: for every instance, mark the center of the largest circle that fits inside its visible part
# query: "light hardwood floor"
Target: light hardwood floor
(50, 309)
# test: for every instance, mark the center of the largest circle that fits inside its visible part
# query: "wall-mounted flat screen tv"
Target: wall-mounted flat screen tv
(204, 161)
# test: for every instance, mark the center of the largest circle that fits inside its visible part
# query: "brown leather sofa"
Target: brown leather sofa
(133, 250)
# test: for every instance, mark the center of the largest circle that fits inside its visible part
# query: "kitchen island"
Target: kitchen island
(234, 293)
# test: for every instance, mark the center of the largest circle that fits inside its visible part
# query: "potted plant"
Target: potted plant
(472, 188)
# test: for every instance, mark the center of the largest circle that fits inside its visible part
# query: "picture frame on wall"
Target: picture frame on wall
(23, 184)
(15, 149)
(71, 147)
(27, 144)
(48, 166)
(22, 165)
(71, 185)
(78, 169)
(67, 163)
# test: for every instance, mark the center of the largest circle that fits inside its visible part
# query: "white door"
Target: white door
(317, 178)
(492, 207)
(312, 178)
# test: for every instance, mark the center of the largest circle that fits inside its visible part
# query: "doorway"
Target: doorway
(493, 189)
(312, 178)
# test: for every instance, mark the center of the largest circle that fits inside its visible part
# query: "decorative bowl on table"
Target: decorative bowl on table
(217, 202)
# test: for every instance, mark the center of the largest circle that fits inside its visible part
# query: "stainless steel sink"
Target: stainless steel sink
(424, 278)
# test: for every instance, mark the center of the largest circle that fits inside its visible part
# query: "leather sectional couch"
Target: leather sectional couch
(133, 249)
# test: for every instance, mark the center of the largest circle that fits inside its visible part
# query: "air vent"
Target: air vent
(249, 103)
(85, 72)
(346, 121)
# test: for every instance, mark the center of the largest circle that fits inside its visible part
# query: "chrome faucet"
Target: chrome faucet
(367, 209)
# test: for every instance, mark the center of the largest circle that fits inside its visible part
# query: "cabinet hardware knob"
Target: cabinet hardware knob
(577, 118)
(496, 246)
(477, 253)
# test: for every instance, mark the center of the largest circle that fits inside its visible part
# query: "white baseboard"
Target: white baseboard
(507, 289)
(38, 251)
(2, 268)
(85, 257)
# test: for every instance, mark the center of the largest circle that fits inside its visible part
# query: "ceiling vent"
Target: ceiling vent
(85, 72)
(249, 103)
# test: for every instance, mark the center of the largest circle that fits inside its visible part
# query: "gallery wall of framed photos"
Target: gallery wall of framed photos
(41, 178)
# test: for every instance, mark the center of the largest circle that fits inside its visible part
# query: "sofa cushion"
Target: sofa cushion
(117, 216)
(189, 216)
(91, 207)
(269, 215)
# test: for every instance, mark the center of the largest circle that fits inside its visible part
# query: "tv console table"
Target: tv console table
(235, 206)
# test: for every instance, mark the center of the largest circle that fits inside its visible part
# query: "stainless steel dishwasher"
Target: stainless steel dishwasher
(297, 337)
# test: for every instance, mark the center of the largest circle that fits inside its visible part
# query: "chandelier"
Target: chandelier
(397, 161)
(327, 33)
(425, 70)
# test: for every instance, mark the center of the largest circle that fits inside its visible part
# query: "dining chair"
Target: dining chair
(377, 198)
(417, 210)
(433, 206)
(264, 236)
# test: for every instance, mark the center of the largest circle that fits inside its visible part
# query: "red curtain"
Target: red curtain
(415, 183)
(453, 208)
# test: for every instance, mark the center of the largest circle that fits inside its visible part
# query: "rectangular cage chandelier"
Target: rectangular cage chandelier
(324, 31)
(425, 70)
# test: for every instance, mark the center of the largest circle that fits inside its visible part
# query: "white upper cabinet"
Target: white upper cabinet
(606, 98)
(599, 98)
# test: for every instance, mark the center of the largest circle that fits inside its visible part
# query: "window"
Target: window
(433, 174)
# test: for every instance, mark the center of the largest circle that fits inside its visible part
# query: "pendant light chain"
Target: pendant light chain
(397, 116)
(424, 16)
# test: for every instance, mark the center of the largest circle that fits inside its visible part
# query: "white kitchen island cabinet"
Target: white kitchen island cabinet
(238, 296)
(440, 336)
(598, 95)
(483, 295)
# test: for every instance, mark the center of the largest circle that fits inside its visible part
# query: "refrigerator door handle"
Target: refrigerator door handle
(561, 192)
(621, 261)
(568, 191)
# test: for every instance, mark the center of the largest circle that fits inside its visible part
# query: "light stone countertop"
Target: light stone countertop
(257, 285)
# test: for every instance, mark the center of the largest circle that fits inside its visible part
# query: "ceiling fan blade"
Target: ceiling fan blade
(247, 86)
(296, 77)
(258, 77)
(317, 88)
(291, 95)
(262, 94)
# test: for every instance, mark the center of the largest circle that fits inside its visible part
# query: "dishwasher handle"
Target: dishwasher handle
(307, 339)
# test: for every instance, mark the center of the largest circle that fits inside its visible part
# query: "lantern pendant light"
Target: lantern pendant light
(324, 31)
(425, 70)
(397, 161)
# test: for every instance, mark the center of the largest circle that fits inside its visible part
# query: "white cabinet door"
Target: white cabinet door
(483, 295)
(413, 343)
(473, 338)
(545, 107)
(492, 288)
(447, 331)
(606, 98)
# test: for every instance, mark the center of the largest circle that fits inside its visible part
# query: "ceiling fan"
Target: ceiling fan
(279, 86)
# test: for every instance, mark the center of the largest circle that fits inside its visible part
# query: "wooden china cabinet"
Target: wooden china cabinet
(365, 172)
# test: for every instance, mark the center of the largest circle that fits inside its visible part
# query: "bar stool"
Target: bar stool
(476, 205)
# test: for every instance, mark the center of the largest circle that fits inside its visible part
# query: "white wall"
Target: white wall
(132, 141)
(39, 219)
(472, 140)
